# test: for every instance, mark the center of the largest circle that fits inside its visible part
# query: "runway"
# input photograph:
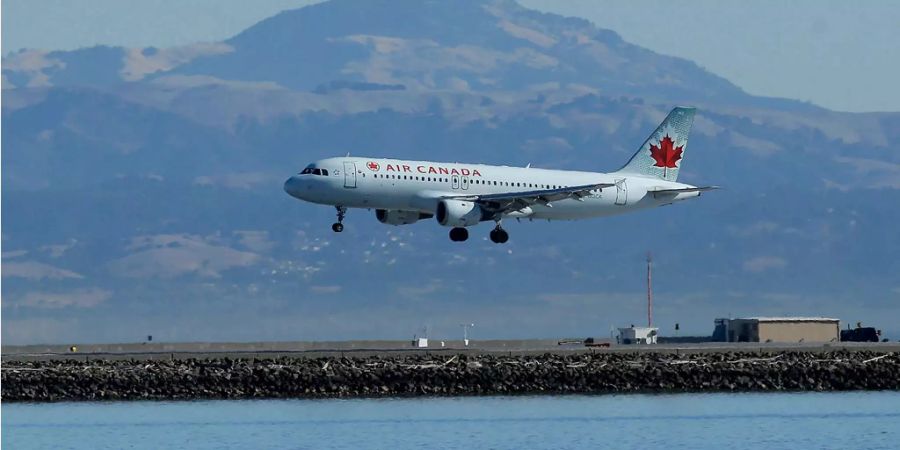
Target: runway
(363, 348)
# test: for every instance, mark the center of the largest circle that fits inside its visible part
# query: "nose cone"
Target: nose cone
(293, 185)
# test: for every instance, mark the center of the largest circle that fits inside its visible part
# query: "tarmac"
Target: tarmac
(385, 348)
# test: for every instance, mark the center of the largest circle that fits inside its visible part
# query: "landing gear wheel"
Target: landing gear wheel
(499, 235)
(338, 226)
(459, 234)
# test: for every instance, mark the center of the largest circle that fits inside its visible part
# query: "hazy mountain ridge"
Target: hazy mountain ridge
(143, 185)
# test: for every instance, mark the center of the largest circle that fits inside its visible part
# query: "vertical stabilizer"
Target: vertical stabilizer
(663, 152)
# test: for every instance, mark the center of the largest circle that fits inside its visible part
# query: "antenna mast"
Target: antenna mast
(649, 290)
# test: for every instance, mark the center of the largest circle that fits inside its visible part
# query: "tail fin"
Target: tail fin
(662, 152)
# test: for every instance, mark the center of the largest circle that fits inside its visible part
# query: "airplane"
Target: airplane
(463, 195)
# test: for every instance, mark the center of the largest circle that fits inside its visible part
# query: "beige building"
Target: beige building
(783, 329)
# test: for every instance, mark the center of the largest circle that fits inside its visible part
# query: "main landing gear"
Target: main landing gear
(459, 234)
(499, 235)
(338, 226)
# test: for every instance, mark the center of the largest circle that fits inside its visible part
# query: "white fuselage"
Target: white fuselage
(390, 184)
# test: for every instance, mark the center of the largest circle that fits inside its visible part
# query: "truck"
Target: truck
(860, 334)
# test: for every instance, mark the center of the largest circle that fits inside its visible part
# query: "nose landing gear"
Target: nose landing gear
(459, 234)
(499, 235)
(338, 226)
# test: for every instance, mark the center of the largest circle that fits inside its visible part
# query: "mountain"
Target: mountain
(142, 187)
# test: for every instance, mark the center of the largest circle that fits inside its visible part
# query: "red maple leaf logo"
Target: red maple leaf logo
(666, 155)
(372, 165)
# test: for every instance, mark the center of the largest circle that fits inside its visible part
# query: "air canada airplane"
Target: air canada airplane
(462, 195)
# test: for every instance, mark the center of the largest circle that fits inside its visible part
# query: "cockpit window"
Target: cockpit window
(312, 170)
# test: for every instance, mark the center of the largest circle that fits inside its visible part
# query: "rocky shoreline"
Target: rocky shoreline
(447, 375)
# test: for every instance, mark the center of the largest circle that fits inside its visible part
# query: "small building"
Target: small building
(780, 329)
(637, 335)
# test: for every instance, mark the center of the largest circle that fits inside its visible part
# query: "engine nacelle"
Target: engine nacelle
(398, 217)
(458, 213)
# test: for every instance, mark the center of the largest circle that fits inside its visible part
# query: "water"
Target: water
(691, 421)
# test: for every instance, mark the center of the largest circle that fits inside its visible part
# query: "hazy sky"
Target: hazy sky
(838, 54)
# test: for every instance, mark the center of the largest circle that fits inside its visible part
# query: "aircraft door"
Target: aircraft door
(454, 181)
(464, 183)
(349, 175)
(621, 192)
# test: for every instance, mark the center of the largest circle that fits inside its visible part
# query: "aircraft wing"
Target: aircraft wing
(505, 202)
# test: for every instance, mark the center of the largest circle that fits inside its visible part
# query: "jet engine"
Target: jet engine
(458, 213)
(399, 217)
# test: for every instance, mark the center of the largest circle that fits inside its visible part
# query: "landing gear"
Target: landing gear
(338, 226)
(459, 234)
(499, 235)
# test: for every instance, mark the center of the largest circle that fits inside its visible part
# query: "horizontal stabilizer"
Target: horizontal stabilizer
(660, 192)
